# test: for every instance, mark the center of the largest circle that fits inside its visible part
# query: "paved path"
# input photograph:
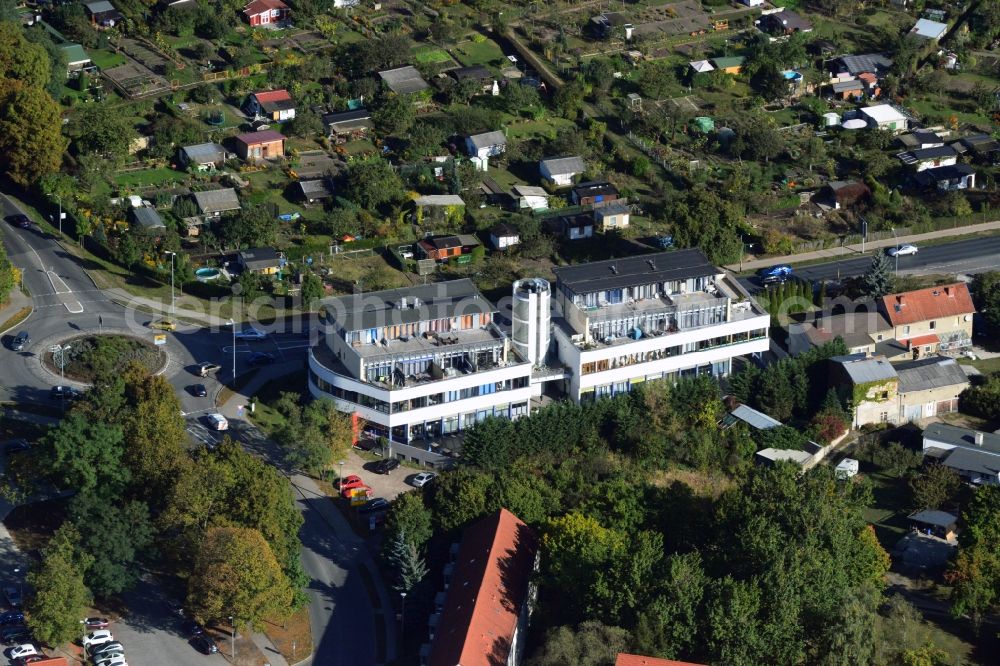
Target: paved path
(855, 249)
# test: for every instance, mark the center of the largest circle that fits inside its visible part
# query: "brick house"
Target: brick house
(264, 145)
(266, 12)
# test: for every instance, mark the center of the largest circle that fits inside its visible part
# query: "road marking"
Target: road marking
(301, 345)
(56, 290)
(74, 307)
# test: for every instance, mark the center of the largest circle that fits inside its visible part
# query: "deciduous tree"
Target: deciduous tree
(935, 487)
(31, 138)
(60, 595)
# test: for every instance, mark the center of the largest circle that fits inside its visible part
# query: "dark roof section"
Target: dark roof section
(348, 120)
(936, 518)
(475, 73)
(930, 373)
(259, 257)
(403, 80)
(876, 63)
(316, 189)
(635, 271)
(921, 154)
(950, 172)
(442, 242)
(962, 437)
(262, 136)
(441, 300)
(148, 218)
(967, 460)
(594, 188)
(503, 230)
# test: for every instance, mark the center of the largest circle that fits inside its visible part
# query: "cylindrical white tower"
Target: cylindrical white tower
(531, 319)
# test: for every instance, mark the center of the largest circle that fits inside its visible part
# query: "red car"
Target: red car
(349, 482)
(96, 623)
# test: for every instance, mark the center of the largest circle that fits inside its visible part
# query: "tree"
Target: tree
(986, 293)
(521, 99)
(87, 456)
(305, 123)
(104, 131)
(312, 290)
(769, 82)
(315, 435)
(975, 573)
(60, 595)
(984, 399)
(425, 139)
(236, 574)
(21, 60)
(590, 644)
(937, 486)
(125, 534)
(459, 497)
(253, 226)
(30, 132)
(395, 116)
(407, 562)
(410, 516)
(877, 281)
(372, 183)
(669, 625)
(10, 275)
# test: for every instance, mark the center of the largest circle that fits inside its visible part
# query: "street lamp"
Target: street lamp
(402, 618)
(83, 631)
(172, 297)
(20, 584)
(232, 324)
(233, 641)
(61, 350)
(59, 201)
(340, 479)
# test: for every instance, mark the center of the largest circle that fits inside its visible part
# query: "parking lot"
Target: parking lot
(389, 485)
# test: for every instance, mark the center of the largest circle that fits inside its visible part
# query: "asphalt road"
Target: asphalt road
(971, 256)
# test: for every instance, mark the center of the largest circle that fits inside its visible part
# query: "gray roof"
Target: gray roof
(969, 460)
(487, 139)
(932, 517)
(148, 218)
(869, 62)
(404, 80)
(754, 419)
(634, 271)
(920, 154)
(930, 373)
(348, 120)
(433, 301)
(610, 209)
(475, 72)
(259, 257)
(785, 455)
(561, 165)
(203, 153)
(439, 200)
(847, 86)
(99, 7)
(529, 191)
(862, 369)
(316, 189)
(217, 201)
(961, 437)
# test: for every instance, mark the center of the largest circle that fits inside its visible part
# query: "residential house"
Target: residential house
(149, 221)
(624, 659)
(445, 209)
(572, 227)
(931, 320)
(531, 197)
(920, 139)
(869, 385)
(785, 22)
(347, 126)
(260, 260)
(266, 12)
(419, 363)
(477, 73)
(560, 171)
(612, 216)
(860, 330)
(974, 454)
(886, 117)
(929, 387)
(488, 601)
(312, 191)
(946, 178)
(102, 14)
(848, 90)
(729, 64)
(503, 235)
(593, 193)
(930, 30)
(202, 156)
(76, 57)
(935, 523)
(840, 194)
(276, 105)
(848, 67)
(488, 144)
(443, 248)
(603, 25)
(403, 80)
(701, 67)
(921, 159)
(52, 661)
(213, 203)
(260, 145)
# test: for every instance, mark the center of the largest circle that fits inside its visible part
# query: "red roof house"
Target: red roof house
(263, 145)
(485, 612)
(265, 12)
(636, 660)
(932, 319)
(275, 105)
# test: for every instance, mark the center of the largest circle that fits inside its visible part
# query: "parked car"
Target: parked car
(260, 358)
(118, 652)
(11, 617)
(13, 594)
(23, 650)
(204, 644)
(28, 659)
(12, 446)
(350, 481)
(386, 466)
(198, 390)
(377, 504)
(365, 444)
(96, 623)
(205, 369)
(21, 340)
(99, 637)
(18, 634)
(114, 647)
(902, 250)
(777, 273)
(163, 325)
(251, 334)
(192, 628)
(19, 220)
(65, 393)
(114, 660)
(422, 479)
(217, 422)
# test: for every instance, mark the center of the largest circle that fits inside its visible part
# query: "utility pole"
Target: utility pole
(232, 643)
(172, 297)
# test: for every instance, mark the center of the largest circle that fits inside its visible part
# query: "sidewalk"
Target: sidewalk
(128, 300)
(855, 249)
(17, 302)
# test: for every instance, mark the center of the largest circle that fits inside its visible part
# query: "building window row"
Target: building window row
(355, 397)
(626, 360)
(411, 330)
(717, 369)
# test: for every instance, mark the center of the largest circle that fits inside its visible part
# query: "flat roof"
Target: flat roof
(753, 418)
(564, 165)
(785, 455)
(217, 201)
(263, 136)
(259, 257)
(862, 369)
(205, 152)
(487, 139)
(883, 113)
(439, 200)
(929, 29)
(636, 270)
(866, 62)
(932, 517)
(404, 80)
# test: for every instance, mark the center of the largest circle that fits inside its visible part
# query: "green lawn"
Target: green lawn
(478, 53)
(106, 59)
(149, 177)
(427, 55)
(984, 365)
(890, 506)
(546, 127)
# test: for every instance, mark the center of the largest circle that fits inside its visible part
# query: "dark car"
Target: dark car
(20, 341)
(30, 659)
(198, 390)
(19, 220)
(12, 446)
(96, 623)
(260, 358)
(386, 466)
(377, 504)
(65, 393)
(366, 444)
(777, 273)
(204, 644)
(10, 635)
(11, 617)
(192, 628)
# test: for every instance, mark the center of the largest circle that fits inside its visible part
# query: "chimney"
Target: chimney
(899, 299)
(979, 438)
(947, 291)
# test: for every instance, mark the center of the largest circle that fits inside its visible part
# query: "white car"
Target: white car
(217, 422)
(117, 660)
(251, 334)
(902, 250)
(99, 637)
(23, 650)
(422, 479)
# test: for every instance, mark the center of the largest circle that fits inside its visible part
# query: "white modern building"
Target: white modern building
(418, 363)
(655, 316)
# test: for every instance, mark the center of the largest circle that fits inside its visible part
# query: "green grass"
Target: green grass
(106, 59)
(535, 128)
(427, 55)
(891, 497)
(149, 177)
(984, 365)
(478, 53)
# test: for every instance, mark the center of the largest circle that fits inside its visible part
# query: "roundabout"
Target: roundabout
(85, 357)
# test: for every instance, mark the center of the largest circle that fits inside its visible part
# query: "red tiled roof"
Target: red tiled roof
(948, 300)
(868, 77)
(637, 660)
(265, 136)
(272, 96)
(53, 661)
(488, 588)
(922, 340)
(261, 6)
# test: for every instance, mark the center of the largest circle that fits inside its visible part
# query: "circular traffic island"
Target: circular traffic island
(87, 357)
